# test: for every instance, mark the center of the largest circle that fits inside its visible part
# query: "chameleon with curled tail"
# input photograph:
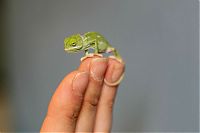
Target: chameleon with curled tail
(91, 40)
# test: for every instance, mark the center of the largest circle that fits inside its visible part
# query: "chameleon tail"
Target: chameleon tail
(116, 54)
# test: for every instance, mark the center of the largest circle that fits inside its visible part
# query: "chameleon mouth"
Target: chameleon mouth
(67, 49)
(72, 50)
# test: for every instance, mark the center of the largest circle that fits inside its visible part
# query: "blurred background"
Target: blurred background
(158, 40)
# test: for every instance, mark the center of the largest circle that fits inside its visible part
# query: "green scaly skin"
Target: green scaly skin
(90, 40)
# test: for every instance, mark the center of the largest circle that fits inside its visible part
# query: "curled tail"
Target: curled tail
(114, 51)
(116, 54)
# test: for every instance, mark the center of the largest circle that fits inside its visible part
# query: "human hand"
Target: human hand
(83, 102)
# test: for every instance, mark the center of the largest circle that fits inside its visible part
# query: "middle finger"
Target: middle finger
(87, 115)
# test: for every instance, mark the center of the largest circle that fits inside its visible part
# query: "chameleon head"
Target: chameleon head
(73, 43)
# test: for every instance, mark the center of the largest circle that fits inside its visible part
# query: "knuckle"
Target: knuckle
(91, 103)
(72, 115)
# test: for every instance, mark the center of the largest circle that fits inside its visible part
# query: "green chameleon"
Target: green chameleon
(90, 40)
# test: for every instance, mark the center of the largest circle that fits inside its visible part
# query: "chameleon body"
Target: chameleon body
(89, 40)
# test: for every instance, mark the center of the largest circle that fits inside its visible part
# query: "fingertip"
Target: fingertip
(80, 82)
(114, 72)
(98, 68)
(85, 65)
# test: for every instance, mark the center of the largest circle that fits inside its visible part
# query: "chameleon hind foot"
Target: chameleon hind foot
(115, 83)
(91, 55)
(118, 59)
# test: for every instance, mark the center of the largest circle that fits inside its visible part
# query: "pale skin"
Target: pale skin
(83, 102)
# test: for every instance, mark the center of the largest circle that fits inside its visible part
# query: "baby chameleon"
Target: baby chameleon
(90, 40)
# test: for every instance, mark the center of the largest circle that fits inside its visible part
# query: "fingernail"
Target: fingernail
(98, 68)
(80, 83)
(117, 72)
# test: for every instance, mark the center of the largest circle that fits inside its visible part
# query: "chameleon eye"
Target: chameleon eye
(73, 44)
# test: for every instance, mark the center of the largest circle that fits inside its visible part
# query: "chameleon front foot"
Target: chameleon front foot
(91, 55)
(87, 56)
(115, 83)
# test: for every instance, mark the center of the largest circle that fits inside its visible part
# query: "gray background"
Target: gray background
(158, 40)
